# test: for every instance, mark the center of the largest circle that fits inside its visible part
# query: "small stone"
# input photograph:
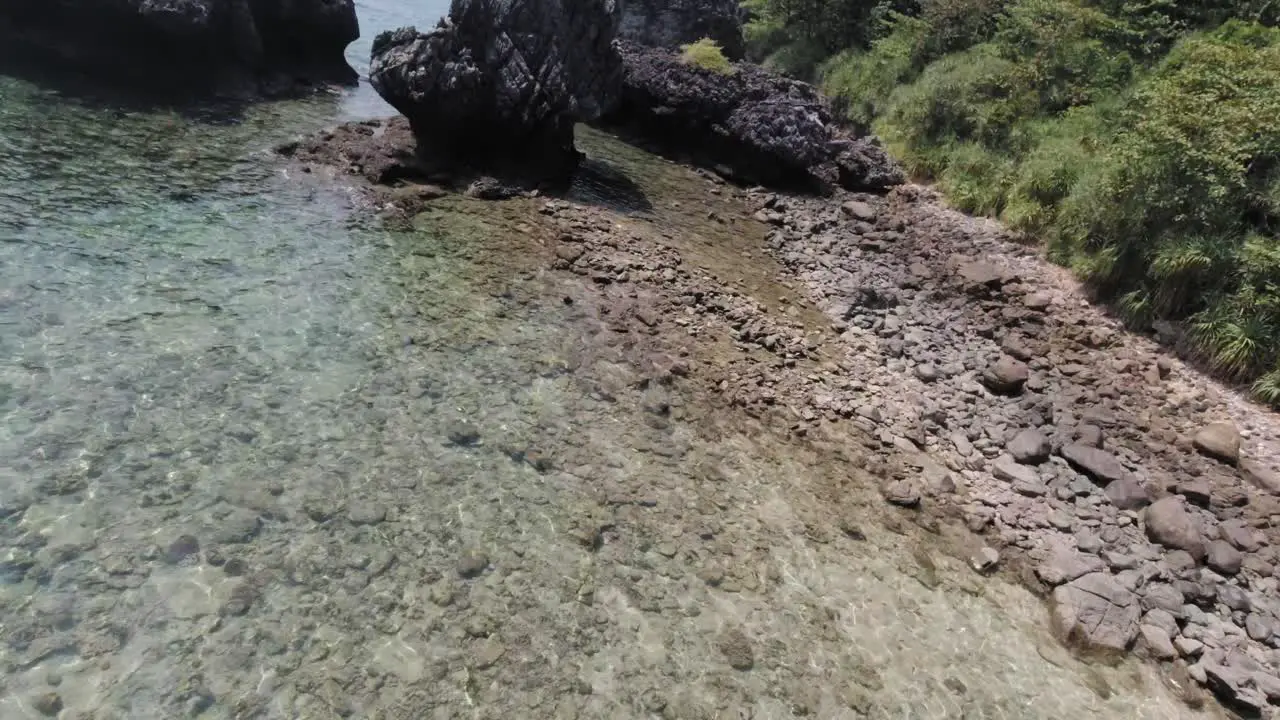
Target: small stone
(1064, 565)
(1234, 598)
(48, 704)
(985, 559)
(1038, 301)
(240, 600)
(1029, 447)
(472, 563)
(490, 652)
(927, 373)
(462, 432)
(181, 548)
(1261, 476)
(1119, 561)
(1006, 376)
(1258, 627)
(1088, 541)
(364, 512)
(859, 210)
(902, 493)
(1220, 441)
(1162, 619)
(737, 650)
(1224, 558)
(1007, 469)
(1165, 597)
(1168, 523)
(1197, 491)
(1100, 465)
(1157, 642)
(1239, 534)
(1188, 647)
(1127, 494)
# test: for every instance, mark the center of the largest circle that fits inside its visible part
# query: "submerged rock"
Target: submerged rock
(756, 126)
(222, 47)
(501, 83)
(668, 23)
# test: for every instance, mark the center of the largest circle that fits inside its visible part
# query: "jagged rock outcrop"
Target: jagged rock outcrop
(751, 125)
(668, 23)
(222, 47)
(502, 82)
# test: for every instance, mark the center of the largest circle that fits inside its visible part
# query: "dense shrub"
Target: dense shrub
(1139, 138)
(707, 55)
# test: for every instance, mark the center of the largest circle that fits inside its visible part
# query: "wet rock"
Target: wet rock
(488, 654)
(1224, 558)
(240, 599)
(472, 563)
(1064, 565)
(48, 704)
(1100, 465)
(670, 23)
(181, 548)
(1168, 523)
(1097, 611)
(463, 433)
(903, 493)
(736, 648)
(1127, 494)
(1030, 447)
(238, 526)
(1006, 376)
(498, 85)
(1220, 441)
(365, 512)
(985, 559)
(1157, 642)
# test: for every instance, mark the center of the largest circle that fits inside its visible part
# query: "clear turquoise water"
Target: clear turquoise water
(193, 343)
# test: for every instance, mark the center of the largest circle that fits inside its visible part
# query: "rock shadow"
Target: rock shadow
(600, 183)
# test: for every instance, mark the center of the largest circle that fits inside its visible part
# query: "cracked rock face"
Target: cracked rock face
(502, 82)
(1096, 610)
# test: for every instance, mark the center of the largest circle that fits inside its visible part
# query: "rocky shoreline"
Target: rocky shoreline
(976, 381)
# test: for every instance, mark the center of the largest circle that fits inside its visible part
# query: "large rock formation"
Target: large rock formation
(668, 23)
(202, 46)
(751, 124)
(502, 82)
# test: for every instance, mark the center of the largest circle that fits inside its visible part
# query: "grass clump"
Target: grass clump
(708, 55)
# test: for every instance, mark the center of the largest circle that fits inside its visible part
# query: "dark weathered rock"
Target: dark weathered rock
(759, 127)
(222, 47)
(1100, 465)
(1220, 441)
(668, 23)
(499, 84)
(1097, 611)
(1169, 523)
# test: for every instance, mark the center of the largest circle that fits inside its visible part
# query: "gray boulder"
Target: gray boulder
(668, 23)
(1170, 524)
(499, 84)
(1220, 441)
(219, 47)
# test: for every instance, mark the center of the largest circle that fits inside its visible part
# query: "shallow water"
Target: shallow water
(234, 482)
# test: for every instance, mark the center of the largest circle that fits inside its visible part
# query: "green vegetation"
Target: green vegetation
(1138, 139)
(706, 54)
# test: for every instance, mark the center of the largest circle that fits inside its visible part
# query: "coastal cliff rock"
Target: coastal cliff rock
(668, 23)
(502, 82)
(752, 125)
(221, 47)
